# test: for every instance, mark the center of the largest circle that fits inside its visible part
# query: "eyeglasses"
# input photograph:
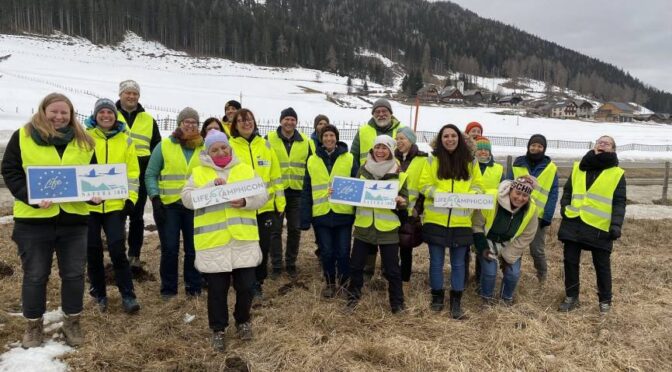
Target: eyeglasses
(606, 143)
(190, 123)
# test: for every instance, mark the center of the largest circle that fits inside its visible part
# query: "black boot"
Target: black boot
(456, 305)
(438, 296)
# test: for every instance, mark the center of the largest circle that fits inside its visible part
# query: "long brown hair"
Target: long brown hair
(453, 165)
(242, 115)
(39, 122)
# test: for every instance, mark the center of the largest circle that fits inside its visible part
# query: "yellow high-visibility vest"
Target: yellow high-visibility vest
(544, 184)
(216, 225)
(595, 204)
(293, 167)
(33, 154)
(259, 155)
(175, 170)
(490, 214)
(321, 179)
(431, 184)
(492, 176)
(367, 136)
(141, 132)
(382, 219)
(413, 178)
(115, 150)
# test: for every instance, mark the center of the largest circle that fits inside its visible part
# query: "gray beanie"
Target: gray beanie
(187, 113)
(129, 85)
(104, 103)
(408, 132)
(381, 102)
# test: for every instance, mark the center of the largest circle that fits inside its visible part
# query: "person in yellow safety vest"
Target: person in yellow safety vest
(378, 227)
(53, 137)
(113, 146)
(502, 234)
(331, 222)
(230, 109)
(593, 209)
(412, 161)
(382, 122)
(225, 237)
(255, 151)
(452, 170)
(292, 149)
(212, 123)
(144, 132)
(492, 175)
(537, 164)
(319, 122)
(169, 168)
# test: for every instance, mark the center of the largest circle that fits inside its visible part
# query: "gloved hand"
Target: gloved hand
(128, 208)
(159, 211)
(543, 223)
(614, 232)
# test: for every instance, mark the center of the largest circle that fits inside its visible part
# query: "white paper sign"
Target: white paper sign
(467, 201)
(231, 191)
(70, 183)
(364, 193)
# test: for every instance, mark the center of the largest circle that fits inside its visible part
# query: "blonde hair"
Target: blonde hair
(39, 122)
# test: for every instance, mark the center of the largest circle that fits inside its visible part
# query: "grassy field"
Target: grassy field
(296, 330)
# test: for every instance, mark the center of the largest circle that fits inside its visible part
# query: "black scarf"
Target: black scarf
(592, 161)
(68, 133)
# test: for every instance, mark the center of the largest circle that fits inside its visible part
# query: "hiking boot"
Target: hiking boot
(438, 297)
(275, 274)
(134, 262)
(396, 309)
(569, 304)
(218, 341)
(488, 302)
(33, 336)
(292, 272)
(456, 305)
(329, 291)
(102, 304)
(541, 277)
(257, 295)
(244, 331)
(605, 308)
(72, 330)
(168, 297)
(508, 302)
(130, 305)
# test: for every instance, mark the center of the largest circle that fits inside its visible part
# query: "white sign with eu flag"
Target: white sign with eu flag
(364, 193)
(225, 193)
(60, 184)
(465, 201)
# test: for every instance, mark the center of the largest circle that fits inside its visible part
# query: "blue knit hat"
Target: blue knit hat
(215, 136)
(408, 132)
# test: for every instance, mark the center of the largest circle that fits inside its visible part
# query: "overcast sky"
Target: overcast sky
(635, 36)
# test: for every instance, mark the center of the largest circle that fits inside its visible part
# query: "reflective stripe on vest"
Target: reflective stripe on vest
(320, 180)
(367, 136)
(175, 170)
(382, 219)
(33, 154)
(292, 166)
(448, 217)
(216, 225)
(259, 155)
(544, 184)
(413, 176)
(492, 176)
(140, 132)
(595, 204)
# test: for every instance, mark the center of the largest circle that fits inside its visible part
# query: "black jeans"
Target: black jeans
(136, 225)
(293, 215)
(389, 254)
(601, 262)
(406, 256)
(267, 225)
(113, 225)
(218, 290)
(36, 247)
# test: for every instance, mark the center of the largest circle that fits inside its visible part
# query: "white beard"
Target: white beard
(382, 123)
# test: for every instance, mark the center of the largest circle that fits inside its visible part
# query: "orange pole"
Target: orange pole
(417, 111)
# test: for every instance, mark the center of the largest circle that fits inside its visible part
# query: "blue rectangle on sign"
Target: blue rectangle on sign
(57, 182)
(347, 189)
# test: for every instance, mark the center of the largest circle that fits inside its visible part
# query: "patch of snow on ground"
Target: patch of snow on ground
(42, 358)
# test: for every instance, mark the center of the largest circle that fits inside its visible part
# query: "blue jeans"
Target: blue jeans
(178, 218)
(437, 255)
(489, 276)
(37, 244)
(334, 251)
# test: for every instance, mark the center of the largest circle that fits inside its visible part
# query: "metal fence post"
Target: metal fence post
(509, 162)
(666, 180)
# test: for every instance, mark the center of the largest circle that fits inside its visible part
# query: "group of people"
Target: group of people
(230, 243)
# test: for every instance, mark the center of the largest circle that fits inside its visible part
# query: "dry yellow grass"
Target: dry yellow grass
(296, 330)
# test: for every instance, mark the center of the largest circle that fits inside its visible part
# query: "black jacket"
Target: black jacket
(575, 230)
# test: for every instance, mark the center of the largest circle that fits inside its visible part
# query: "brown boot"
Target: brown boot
(72, 330)
(34, 335)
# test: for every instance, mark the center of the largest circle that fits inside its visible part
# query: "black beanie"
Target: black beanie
(537, 138)
(288, 112)
(329, 128)
(233, 103)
